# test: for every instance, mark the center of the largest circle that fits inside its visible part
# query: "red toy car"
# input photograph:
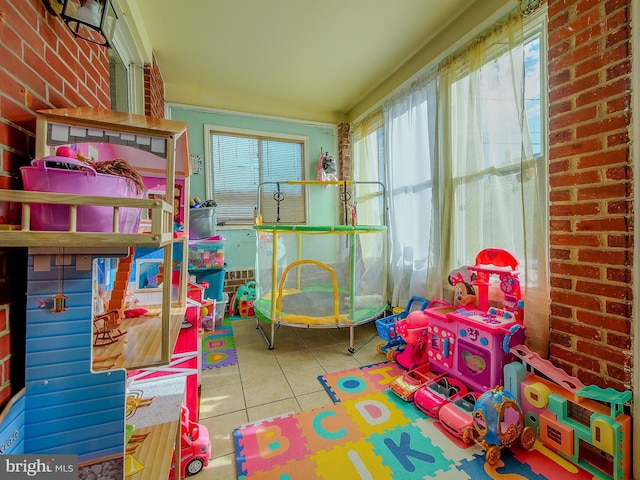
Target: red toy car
(456, 415)
(405, 385)
(433, 395)
(195, 447)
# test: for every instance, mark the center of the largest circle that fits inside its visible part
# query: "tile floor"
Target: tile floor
(266, 382)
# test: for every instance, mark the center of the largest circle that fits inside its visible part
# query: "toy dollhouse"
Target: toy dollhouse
(78, 396)
(585, 424)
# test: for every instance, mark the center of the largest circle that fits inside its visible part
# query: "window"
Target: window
(579, 413)
(119, 82)
(368, 142)
(497, 174)
(463, 150)
(554, 435)
(493, 141)
(126, 74)
(242, 165)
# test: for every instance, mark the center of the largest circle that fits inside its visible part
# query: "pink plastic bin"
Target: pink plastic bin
(43, 176)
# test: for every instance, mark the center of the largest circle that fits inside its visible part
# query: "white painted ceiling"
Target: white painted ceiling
(312, 59)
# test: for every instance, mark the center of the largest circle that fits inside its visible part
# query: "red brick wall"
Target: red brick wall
(591, 218)
(235, 279)
(153, 91)
(42, 65)
(345, 167)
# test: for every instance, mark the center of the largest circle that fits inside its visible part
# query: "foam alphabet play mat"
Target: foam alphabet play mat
(218, 348)
(372, 434)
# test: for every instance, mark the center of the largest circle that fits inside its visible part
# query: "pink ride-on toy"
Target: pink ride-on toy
(457, 415)
(387, 328)
(195, 448)
(414, 331)
(433, 395)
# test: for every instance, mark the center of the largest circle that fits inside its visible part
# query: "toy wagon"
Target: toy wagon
(498, 422)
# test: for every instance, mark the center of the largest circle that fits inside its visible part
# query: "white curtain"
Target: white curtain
(368, 199)
(366, 137)
(409, 133)
(490, 191)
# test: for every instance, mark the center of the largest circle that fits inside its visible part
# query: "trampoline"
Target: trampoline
(319, 276)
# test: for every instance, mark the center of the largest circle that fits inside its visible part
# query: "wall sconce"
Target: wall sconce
(92, 20)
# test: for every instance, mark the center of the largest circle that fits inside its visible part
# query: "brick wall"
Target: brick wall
(344, 151)
(237, 278)
(591, 218)
(153, 91)
(42, 65)
(345, 168)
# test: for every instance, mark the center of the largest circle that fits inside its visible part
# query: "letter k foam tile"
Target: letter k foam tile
(352, 460)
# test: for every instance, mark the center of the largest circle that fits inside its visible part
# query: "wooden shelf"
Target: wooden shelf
(161, 231)
(141, 346)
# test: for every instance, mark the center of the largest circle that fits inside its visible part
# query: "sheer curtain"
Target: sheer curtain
(409, 129)
(367, 138)
(490, 190)
(368, 198)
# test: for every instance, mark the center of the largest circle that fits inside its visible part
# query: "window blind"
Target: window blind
(241, 163)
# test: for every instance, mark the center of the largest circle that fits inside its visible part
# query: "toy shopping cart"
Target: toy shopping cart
(387, 327)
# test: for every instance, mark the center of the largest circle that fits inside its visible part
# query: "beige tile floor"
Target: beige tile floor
(266, 382)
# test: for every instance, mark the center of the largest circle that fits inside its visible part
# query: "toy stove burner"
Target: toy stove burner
(483, 317)
(490, 318)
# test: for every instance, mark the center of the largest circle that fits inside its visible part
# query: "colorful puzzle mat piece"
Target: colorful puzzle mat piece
(218, 349)
(357, 382)
(371, 433)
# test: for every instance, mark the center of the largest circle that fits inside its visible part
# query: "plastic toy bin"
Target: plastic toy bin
(221, 309)
(215, 278)
(67, 175)
(206, 254)
(202, 222)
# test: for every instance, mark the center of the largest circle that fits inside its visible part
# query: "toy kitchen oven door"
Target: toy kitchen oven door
(472, 343)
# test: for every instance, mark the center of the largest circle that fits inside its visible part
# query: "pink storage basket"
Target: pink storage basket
(49, 175)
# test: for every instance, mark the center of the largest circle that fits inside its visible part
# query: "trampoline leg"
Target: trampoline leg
(264, 335)
(353, 349)
(273, 336)
(351, 338)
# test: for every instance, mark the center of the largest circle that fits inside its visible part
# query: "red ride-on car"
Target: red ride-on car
(433, 395)
(405, 385)
(195, 448)
(457, 415)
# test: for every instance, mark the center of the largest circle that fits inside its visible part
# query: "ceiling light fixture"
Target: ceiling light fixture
(91, 20)
(527, 7)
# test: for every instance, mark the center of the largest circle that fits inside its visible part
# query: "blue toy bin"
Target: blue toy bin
(215, 278)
